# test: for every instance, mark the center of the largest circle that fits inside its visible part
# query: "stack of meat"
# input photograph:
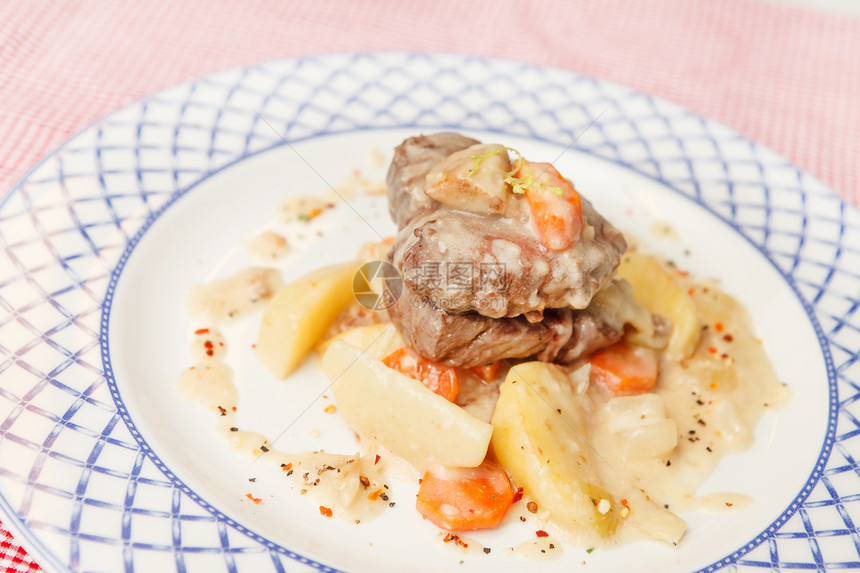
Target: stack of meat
(500, 257)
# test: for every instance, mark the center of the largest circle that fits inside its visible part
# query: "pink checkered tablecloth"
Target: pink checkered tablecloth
(786, 77)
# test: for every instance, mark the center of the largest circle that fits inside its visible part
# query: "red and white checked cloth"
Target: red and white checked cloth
(12, 557)
(786, 77)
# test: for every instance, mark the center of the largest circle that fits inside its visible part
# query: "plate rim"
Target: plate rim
(11, 521)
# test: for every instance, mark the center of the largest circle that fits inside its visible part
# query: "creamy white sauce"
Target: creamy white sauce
(508, 254)
(713, 398)
(543, 548)
(267, 246)
(723, 502)
(235, 296)
(206, 345)
(354, 185)
(461, 543)
(209, 384)
(352, 487)
(303, 208)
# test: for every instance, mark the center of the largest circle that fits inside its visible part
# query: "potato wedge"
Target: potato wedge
(377, 340)
(654, 520)
(401, 414)
(299, 315)
(660, 290)
(539, 436)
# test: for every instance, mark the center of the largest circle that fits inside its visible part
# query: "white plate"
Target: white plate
(103, 468)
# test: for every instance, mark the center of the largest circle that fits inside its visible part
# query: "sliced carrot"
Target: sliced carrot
(488, 372)
(624, 369)
(441, 379)
(555, 205)
(465, 498)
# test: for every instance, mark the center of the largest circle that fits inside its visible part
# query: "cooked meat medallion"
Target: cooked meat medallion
(500, 258)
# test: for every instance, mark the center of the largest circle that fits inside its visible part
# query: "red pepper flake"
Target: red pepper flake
(518, 495)
(456, 539)
(208, 344)
(222, 411)
(682, 273)
(234, 408)
(690, 291)
(728, 337)
(376, 460)
(325, 511)
(624, 502)
(201, 331)
(718, 326)
(712, 349)
(541, 533)
(287, 466)
(256, 500)
(374, 495)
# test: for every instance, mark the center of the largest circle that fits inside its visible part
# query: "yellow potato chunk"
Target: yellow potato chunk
(662, 292)
(299, 314)
(377, 340)
(654, 520)
(401, 414)
(539, 436)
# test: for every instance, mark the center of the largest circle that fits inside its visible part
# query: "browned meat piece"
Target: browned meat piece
(505, 271)
(479, 286)
(469, 339)
(492, 265)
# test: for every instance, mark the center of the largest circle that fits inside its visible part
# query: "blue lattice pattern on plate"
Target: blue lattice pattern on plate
(66, 224)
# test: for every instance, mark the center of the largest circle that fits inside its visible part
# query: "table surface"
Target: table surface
(785, 73)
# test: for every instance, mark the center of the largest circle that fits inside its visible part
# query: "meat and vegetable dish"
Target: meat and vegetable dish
(529, 354)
